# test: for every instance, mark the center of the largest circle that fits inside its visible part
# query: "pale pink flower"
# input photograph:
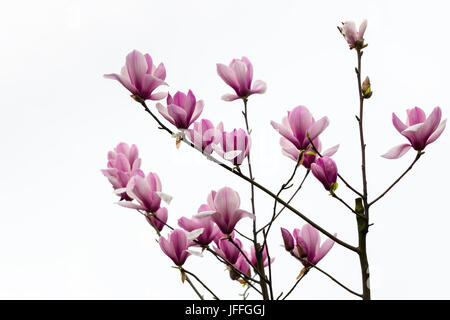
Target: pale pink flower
(141, 77)
(419, 130)
(239, 75)
(123, 163)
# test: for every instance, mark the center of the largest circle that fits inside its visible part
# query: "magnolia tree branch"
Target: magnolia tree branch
(259, 186)
(293, 287)
(418, 155)
(289, 201)
(258, 253)
(196, 278)
(193, 287)
(363, 224)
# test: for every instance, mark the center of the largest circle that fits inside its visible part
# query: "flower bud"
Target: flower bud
(366, 89)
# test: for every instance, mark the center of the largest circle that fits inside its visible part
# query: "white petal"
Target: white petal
(204, 214)
(230, 155)
(120, 190)
(195, 253)
(194, 233)
(164, 196)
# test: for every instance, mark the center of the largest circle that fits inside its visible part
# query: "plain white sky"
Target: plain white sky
(62, 236)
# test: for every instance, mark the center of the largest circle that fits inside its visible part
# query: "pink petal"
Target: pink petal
(398, 124)
(158, 96)
(285, 132)
(397, 152)
(228, 76)
(163, 111)
(230, 97)
(330, 151)
(318, 127)
(137, 67)
(438, 132)
(197, 111)
(259, 86)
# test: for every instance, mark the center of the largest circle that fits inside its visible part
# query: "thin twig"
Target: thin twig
(419, 154)
(194, 288)
(201, 282)
(294, 286)
(339, 176)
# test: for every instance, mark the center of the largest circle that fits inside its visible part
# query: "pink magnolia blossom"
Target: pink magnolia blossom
(227, 250)
(419, 130)
(354, 38)
(239, 75)
(309, 157)
(160, 220)
(210, 230)
(264, 257)
(182, 110)
(224, 209)
(141, 77)
(123, 163)
(242, 265)
(233, 146)
(203, 135)
(298, 123)
(146, 191)
(307, 245)
(325, 170)
(176, 246)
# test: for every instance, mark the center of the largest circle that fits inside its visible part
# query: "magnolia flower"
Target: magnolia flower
(298, 124)
(325, 170)
(354, 38)
(242, 265)
(182, 110)
(210, 230)
(419, 130)
(160, 219)
(177, 244)
(238, 75)
(233, 146)
(224, 209)
(309, 156)
(227, 250)
(141, 77)
(204, 134)
(123, 163)
(265, 260)
(307, 244)
(146, 191)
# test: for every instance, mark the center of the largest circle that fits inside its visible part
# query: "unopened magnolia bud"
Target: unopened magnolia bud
(366, 89)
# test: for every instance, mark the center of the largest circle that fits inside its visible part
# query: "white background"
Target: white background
(62, 236)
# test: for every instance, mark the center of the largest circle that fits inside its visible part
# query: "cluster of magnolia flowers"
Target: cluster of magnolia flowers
(215, 221)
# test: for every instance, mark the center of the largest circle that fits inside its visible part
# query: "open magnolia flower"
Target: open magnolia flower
(224, 209)
(307, 244)
(182, 110)
(123, 163)
(177, 244)
(141, 77)
(233, 146)
(298, 124)
(419, 130)
(239, 75)
(147, 192)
